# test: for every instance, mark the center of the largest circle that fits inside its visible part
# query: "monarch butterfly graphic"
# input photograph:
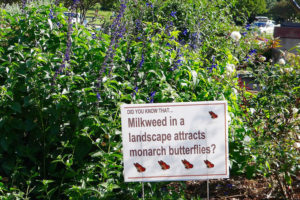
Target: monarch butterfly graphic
(163, 165)
(213, 115)
(187, 164)
(139, 167)
(208, 164)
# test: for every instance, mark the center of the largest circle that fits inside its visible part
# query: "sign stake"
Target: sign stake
(143, 191)
(207, 182)
(207, 189)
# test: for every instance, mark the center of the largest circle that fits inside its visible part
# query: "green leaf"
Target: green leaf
(16, 107)
(97, 154)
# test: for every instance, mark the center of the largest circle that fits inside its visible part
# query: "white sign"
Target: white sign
(175, 141)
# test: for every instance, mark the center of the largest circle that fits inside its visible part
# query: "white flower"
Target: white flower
(235, 35)
(247, 138)
(287, 70)
(262, 59)
(297, 145)
(252, 110)
(281, 61)
(295, 110)
(230, 68)
(235, 91)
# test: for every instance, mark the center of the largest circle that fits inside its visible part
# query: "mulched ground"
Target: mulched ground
(236, 188)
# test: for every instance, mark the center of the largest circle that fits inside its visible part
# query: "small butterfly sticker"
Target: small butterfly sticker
(208, 164)
(139, 167)
(213, 115)
(164, 166)
(187, 164)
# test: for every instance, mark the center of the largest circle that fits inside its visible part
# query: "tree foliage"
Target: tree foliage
(284, 11)
(107, 4)
(249, 8)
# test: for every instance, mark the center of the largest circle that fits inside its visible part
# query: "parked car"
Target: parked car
(264, 25)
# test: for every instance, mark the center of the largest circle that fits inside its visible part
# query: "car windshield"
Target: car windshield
(260, 24)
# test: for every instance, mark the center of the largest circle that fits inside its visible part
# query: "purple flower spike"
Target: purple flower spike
(152, 94)
(129, 60)
(142, 61)
(246, 59)
(247, 27)
(136, 89)
(24, 2)
(214, 66)
(149, 5)
(98, 96)
(51, 14)
(252, 52)
(173, 13)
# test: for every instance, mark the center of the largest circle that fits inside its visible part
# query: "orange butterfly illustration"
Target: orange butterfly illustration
(139, 167)
(187, 164)
(213, 115)
(163, 165)
(208, 164)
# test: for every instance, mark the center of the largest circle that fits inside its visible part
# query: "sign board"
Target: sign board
(175, 141)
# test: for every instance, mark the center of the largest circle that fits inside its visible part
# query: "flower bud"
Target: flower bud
(281, 61)
(235, 35)
(262, 59)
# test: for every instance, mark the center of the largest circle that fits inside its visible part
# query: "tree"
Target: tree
(249, 9)
(284, 11)
(82, 6)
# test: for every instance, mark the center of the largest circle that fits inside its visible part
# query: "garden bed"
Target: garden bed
(237, 187)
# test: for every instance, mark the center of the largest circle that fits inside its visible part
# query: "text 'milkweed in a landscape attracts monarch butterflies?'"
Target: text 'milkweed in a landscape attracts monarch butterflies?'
(175, 141)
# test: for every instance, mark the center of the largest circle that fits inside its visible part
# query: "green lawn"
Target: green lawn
(103, 16)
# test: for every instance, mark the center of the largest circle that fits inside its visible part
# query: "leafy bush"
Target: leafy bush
(272, 118)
